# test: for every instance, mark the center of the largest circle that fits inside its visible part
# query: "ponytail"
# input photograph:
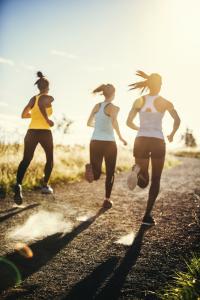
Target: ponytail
(99, 89)
(106, 89)
(153, 79)
(42, 83)
(142, 85)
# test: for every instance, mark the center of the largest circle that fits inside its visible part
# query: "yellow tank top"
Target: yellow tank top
(37, 119)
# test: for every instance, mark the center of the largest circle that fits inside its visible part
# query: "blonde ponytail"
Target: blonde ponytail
(99, 89)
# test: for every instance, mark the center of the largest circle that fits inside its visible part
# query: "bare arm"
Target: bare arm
(176, 124)
(113, 114)
(26, 111)
(132, 114)
(90, 121)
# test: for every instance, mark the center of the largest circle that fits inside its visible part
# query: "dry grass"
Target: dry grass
(69, 164)
(188, 152)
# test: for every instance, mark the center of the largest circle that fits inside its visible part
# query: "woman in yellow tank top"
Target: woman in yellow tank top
(38, 110)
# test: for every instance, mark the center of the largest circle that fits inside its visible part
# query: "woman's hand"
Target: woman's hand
(50, 122)
(123, 141)
(170, 137)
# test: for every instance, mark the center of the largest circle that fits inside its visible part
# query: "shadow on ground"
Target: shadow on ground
(15, 268)
(88, 287)
(15, 211)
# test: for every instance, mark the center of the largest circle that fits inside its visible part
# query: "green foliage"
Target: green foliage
(186, 285)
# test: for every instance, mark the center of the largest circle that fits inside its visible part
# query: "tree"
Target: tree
(62, 125)
(189, 139)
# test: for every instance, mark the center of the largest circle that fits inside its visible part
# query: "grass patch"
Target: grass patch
(188, 152)
(69, 164)
(186, 285)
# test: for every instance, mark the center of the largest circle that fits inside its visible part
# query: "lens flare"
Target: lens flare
(10, 274)
(24, 250)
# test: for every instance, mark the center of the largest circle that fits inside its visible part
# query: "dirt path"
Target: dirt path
(85, 262)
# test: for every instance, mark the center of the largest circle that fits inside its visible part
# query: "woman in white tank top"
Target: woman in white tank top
(102, 145)
(149, 143)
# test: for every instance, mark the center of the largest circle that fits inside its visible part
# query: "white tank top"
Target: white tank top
(150, 119)
(103, 129)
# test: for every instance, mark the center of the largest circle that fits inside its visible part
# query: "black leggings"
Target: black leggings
(146, 148)
(108, 151)
(31, 140)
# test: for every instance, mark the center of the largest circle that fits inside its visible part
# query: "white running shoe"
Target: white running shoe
(47, 190)
(132, 178)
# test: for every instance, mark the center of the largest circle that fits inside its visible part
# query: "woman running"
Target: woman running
(103, 143)
(38, 109)
(149, 143)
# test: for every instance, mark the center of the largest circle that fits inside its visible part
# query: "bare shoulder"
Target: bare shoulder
(163, 104)
(51, 98)
(138, 103)
(46, 100)
(113, 107)
(96, 107)
(31, 102)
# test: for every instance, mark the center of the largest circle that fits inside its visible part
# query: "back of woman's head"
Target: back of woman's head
(151, 82)
(42, 83)
(106, 89)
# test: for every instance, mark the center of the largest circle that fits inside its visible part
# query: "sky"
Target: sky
(81, 44)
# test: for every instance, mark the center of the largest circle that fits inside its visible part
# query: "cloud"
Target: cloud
(6, 61)
(63, 54)
(28, 67)
(20, 65)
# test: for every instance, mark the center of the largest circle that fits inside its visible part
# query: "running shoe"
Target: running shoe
(148, 220)
(18, 197)
(107, 204)
(47, 190)
(89, 175)
(132, 178)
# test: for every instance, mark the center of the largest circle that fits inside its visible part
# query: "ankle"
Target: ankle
(107, 199)
(147, 215)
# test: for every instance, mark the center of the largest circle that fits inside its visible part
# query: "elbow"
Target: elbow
(128, 123)
(114, 125)
(178, 121)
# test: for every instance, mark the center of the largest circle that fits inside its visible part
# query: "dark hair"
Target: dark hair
(106, 89)
(42, 83)
(150, 81)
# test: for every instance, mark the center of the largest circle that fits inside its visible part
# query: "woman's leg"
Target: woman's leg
(157, 161)
(46, 141)
(110, 154)
(96, 157)
(30, 143)
(141, 154)
(143, 175)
